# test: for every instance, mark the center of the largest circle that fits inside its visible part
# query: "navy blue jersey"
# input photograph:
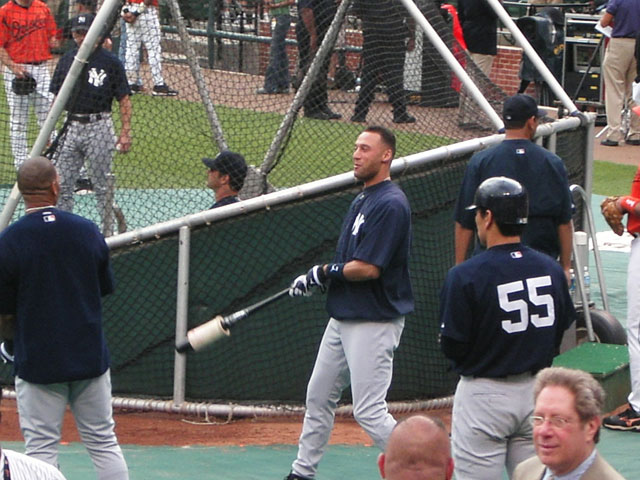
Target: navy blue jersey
(543, 175)
(226, 201)
(104, 80)
(509, 306)
(376, 230)
(54, 268)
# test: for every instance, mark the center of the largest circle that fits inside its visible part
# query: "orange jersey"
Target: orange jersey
(154, 3)
(633, 222)
(25, 32)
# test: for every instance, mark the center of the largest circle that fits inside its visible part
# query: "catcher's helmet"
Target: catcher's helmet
(506, 198)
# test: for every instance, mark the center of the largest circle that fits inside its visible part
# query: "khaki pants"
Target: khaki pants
(619, 71)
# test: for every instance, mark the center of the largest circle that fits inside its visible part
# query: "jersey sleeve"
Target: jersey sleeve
(121, 84)
(60, 72)
(4, 29)
(8, 286)
(566, 205)
(107, 284)
(468, 188)
(385, 232)
(52, 28)
(455, 308)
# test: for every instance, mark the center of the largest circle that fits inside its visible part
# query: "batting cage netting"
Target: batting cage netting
(229, 75)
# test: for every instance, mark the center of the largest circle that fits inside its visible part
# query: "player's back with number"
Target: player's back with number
(511, 309)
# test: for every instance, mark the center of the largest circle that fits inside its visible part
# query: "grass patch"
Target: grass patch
(612, 178)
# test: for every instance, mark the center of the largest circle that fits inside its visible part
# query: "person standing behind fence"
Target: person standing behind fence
(369, 295)
(143, 26)
(276, 78)
(54, 269)
(619, 70)
(542, 173)
(386, 37)
(28, 31)
(90, 135)
(479, 28)
(225, 176)
(314, 20)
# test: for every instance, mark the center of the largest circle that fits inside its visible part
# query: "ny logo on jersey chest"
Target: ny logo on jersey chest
(96, 78)
(357, 223)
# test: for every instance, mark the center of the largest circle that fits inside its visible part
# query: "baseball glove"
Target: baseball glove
(23, 85)
(612, 214)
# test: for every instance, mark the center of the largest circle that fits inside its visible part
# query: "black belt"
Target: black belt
(635, 234)
(35, 63)
(86, 117)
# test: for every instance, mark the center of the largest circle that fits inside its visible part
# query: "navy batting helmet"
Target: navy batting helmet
(506, 198)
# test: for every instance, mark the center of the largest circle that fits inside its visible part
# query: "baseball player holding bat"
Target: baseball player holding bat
(503, 314)
(369, 294)
(27, 32)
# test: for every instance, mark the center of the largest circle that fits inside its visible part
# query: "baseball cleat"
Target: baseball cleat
(163, 90)
(293, 476)
(627, 420)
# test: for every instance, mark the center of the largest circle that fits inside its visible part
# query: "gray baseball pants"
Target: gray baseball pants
(359, 353)
(41, 409)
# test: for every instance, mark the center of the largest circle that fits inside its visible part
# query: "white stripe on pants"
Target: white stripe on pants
(359, 353)
(41, 409)
(19, 105)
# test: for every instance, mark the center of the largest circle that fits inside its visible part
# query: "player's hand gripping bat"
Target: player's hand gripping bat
(199, 337)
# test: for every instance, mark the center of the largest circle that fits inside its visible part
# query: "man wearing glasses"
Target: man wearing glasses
(541, 172)
(503, 313)
(566, 427)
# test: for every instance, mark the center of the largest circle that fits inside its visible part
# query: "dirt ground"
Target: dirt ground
(152, 428)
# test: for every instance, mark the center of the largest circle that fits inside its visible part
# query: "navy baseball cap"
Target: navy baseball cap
(521, 107)
(82, 22)
(229, 163)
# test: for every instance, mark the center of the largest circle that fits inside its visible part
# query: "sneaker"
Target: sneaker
(83, 184)
(404, 118)
(330, 113)
(6, 351)
(135, 88)
(609, 143)
(632, 141)
(293, 476)
(627, 420)
(163, 90)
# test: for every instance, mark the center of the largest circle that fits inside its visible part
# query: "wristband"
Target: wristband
(336, 271)
(629, 203)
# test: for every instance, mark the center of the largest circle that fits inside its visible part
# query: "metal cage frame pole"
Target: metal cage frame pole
(192, 61)
(182, 313)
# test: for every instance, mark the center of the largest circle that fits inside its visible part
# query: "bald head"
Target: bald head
(418, 449)
(35, 175)
(38, 182)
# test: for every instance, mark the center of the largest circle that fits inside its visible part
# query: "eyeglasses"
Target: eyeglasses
(556, 421)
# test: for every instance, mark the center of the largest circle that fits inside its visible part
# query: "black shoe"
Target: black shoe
(264, 91)
(331, 114)
(83, 184)
(135, 88)
(632, 141)
(404, 118)
(321, 115)
(359, 117)
(609, 143)
(293, 476)
(627, 420)
(163, 90)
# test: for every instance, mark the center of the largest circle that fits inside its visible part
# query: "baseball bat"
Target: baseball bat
(199, 337)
